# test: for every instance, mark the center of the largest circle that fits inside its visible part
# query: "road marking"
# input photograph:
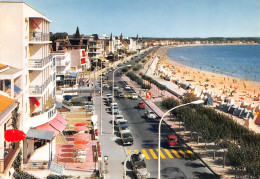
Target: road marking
(146, 155)
(153, 154)
(136, 151)
(168, 153)
(183, 153)
(176, 153)
(191, 154)
(161, 154)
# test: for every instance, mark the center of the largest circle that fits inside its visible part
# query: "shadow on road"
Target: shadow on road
(205, 175)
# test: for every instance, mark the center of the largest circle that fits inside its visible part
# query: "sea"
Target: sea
(240, 61)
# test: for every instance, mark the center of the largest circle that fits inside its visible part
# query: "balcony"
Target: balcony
(95, 46)
(62, 63)
(39, 89)
(39, 37)
(9, 156)
(45, 116)
(39, 63)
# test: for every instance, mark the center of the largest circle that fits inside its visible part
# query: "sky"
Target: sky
(153, 18)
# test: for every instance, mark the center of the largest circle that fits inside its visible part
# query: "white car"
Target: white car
(127, 87)
(134, 96)
(150, 115)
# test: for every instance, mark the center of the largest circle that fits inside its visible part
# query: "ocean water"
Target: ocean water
(240, 61)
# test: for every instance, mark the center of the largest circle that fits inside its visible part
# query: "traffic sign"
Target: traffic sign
(148, 95)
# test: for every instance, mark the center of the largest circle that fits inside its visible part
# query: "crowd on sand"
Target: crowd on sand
(222, 88)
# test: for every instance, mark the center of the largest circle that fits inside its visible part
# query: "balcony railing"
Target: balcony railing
(10, 154)
(38, 36)
(62, 63)
(94, 46)
(41, 117)
(39, 63)
(38, 89)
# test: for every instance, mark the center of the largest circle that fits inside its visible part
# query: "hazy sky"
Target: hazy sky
(154, 18)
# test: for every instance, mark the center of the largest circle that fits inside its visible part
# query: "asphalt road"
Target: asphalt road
(179, 163)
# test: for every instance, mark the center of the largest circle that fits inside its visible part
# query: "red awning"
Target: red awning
(35, 101)
(60, 118)
(57, 125)
(83, 60)
(83, 53)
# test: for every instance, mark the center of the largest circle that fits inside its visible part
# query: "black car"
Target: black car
(127, 138)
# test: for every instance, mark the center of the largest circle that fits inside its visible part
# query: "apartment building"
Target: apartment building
(29, 75)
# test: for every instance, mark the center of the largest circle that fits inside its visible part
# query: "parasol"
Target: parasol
(81, 142)
(80, 128)
(14, 135)
(80, 135)
(81, 138)
(81, 146)
(81, 124)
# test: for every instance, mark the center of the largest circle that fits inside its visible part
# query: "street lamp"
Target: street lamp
(113, 96)
(159, 133)
(101, 100)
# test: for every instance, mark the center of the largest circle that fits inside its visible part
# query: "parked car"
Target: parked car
(141, 105)
(127, 87)
(139, 166)
(115, 110)
(118, 118)
(123, 128)
(172, 141)
(116, 87)
(121, 95)
(150, 114)
(134, 96)
(127, 138)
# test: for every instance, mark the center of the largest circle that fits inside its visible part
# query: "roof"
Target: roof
(40, 134)
(5, 102)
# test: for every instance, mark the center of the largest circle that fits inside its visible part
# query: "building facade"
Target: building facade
(29, 76)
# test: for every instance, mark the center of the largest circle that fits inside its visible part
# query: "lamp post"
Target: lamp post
(113, 116)
(159, 133)
(101, 99)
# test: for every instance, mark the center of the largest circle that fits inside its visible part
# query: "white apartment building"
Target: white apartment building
(63, 62)
(29, 76)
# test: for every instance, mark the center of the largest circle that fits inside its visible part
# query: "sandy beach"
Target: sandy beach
(238, 89)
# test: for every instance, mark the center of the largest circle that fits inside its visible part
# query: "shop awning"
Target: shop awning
(61, 119)
(35, 101)
(39, 134)
(83, 60)
(58, 124)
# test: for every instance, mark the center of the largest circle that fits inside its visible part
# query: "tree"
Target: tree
(77, 34)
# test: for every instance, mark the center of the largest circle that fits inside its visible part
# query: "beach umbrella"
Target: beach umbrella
(242, 98)
(80, 128)
(80, 135)
(81, 146)
(81, 142)
(81, 124)
(14, 135)
(81, 138)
